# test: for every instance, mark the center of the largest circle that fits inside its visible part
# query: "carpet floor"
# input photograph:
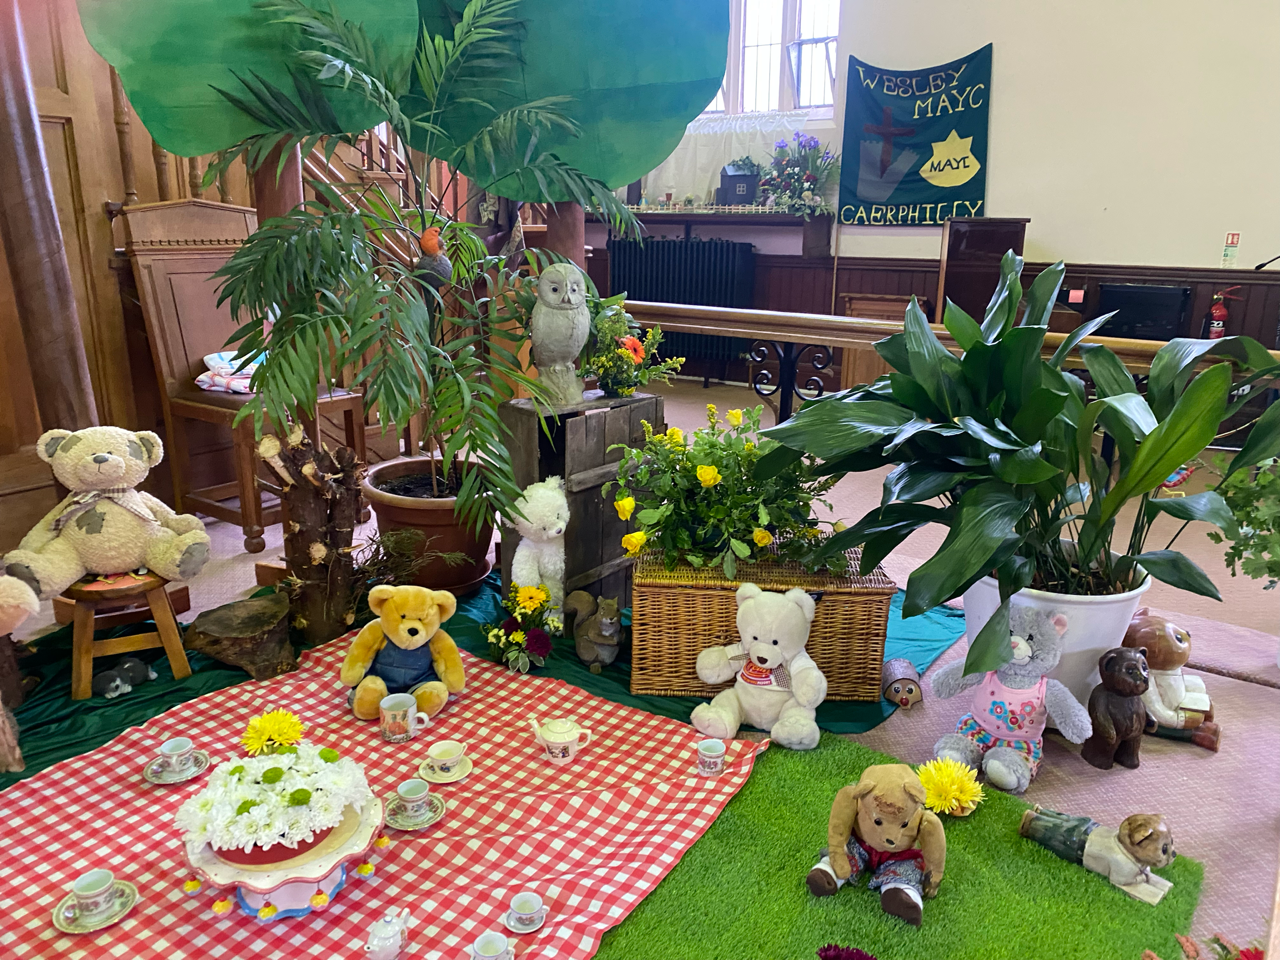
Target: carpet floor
(740, 891)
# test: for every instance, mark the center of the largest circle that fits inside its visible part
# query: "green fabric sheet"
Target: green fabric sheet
(53, 727)
(739, 892)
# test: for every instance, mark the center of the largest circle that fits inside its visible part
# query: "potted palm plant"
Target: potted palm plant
(402, 299)
(1001, 446)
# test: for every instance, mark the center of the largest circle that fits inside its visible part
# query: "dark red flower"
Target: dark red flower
(833, 952)
(510, 625)
(537, 642)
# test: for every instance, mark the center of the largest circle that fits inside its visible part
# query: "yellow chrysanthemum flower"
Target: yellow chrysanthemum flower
(634, 542)
(675, 437)
(708, 476)
(762, 537)
(277, 728)
(530, 598)
(625, 507)
(950, 787)
(517, 638)
(734, 417)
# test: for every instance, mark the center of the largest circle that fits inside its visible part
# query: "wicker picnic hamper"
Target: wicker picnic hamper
(675, 614)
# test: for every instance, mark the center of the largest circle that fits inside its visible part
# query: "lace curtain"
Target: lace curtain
(712, 141)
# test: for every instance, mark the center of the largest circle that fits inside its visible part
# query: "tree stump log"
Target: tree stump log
(321, 493)
(251, 634)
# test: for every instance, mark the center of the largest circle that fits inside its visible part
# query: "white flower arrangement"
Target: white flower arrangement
(285, 798)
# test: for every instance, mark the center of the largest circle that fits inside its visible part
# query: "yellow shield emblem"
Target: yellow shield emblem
(952, 163)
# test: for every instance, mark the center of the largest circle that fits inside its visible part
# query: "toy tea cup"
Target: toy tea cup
(95, 894)
(561, 738)
(443, 757)
(176, 755)
(527, 910)
(710, 757)
(399, 719)
(415, 798)
(492, 946)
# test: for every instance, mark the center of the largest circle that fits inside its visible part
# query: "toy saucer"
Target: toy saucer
(435, 811)
(509, 921)
(427, 774)
(67, 919)
(154, 773)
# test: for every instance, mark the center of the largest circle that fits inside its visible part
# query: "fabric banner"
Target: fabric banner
(920, 142)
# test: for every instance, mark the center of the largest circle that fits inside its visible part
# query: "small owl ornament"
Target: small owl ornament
(561, 323)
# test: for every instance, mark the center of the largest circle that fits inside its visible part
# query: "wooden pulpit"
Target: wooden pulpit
(970, 260)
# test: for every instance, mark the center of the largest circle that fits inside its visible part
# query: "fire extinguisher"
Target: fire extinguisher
(1215, 321)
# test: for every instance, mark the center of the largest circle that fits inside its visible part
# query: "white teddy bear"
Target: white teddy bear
(105, 525)
(539, 557)
(778, 687)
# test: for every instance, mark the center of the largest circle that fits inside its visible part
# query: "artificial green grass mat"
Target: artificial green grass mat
(739, 892)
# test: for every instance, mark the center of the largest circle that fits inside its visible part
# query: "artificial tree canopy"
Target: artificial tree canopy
(636, 72)
(171, 54)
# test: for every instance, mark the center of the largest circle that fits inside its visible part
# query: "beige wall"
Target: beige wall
(1129, 132)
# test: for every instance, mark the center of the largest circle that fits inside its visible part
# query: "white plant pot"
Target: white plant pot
(1094, 625)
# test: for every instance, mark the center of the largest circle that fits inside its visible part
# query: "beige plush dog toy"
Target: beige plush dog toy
(879, 828)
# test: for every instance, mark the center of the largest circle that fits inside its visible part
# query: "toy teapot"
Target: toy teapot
(389, 936)
(561, 738)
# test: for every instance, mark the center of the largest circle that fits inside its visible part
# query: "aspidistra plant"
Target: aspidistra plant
(1001, 446)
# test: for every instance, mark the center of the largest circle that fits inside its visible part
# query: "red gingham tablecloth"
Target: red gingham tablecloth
(592, 838)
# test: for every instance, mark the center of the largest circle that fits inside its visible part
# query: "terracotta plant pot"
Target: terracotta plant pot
(434, 516)
(278, 853)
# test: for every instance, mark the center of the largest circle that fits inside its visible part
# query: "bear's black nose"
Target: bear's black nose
(100, 458)
(412, 631)
(888, 843)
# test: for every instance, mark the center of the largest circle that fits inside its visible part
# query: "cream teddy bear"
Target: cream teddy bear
(539, 557)
(778, 686)
(17, 602)
(105, 525)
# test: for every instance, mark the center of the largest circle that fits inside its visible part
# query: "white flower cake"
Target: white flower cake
(284, 798)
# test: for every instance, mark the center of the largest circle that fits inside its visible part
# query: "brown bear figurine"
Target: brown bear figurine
(1116, 709)
(1178, 706)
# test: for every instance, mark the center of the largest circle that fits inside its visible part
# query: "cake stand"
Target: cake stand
(292, 888)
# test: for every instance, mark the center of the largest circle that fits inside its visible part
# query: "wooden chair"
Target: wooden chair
(175, 248)
(110, 594)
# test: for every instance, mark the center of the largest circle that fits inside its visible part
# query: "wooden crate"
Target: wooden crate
(675, 614)
(577, 450)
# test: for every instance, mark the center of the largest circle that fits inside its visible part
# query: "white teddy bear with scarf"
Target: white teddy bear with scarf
(778, 686)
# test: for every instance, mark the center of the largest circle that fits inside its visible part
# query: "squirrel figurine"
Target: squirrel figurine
(597, 628)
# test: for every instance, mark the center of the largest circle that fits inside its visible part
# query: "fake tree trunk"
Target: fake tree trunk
(321, 494)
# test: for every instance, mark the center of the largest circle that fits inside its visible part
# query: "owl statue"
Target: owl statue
(561, 323)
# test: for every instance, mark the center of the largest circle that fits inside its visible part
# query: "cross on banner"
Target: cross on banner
(887, 131)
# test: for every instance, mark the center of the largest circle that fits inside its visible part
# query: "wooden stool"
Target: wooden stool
(109, 592)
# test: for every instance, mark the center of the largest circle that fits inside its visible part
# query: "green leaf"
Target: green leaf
(1174, 363)
(1176, 570)
(1003, 306)
(762, 515)
(1018, 359)
(932, 365)
(998, 436)
(1043, 295)
(839, 427)
(1188, 429)
(1075, 336)
(1109, 374)
(909, 393)
(1039, 407)
(893, 351)
(914, 481)
(1263, 443)
(1022, 466)
(984, 518)
(961, 326)
(991, 649)
(777, 460)
(649, 516)
(740, 548)
(1208, 506)
(730, 565)
(895, 519)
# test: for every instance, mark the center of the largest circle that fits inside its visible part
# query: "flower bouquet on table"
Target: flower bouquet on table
(699, 501)
(524, 637)
(279, 802)
(799, 177)
(622, 361)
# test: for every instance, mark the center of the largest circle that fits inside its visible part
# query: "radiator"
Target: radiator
(711, 273)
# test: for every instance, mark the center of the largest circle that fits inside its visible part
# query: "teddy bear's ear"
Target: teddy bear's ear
(379, 596)
(446, 603)
(748, 591)
(915, 790)
(152, 448)
(49, 443)
(1142, 612)
(1060, 623)
(862, 787)
(803, 601)
(1104, 662)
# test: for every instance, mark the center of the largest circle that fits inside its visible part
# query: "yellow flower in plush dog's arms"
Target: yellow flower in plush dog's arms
(625, 507)
(633, 542)
(270, 731)
(708, 476)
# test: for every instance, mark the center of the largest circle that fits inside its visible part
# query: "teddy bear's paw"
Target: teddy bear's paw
(809, 687)
(366, 696)
(796, 733)
(953, 746)
(1007, 772)
(902, 902)
(706, 719)
(193, 559)
(23, 572)
(822, 880)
